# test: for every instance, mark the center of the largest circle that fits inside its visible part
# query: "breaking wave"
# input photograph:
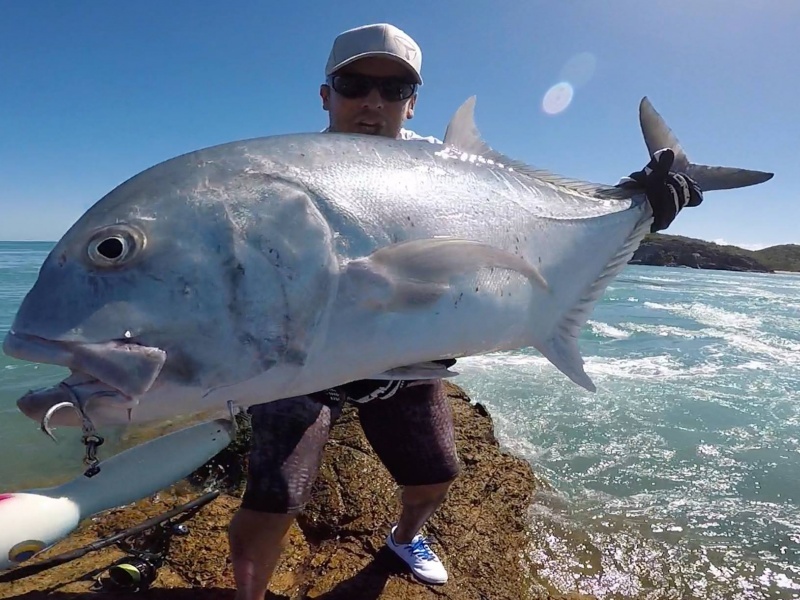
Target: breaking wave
(678, 478)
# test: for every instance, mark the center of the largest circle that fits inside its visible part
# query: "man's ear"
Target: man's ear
(325, 94)
(410, 108)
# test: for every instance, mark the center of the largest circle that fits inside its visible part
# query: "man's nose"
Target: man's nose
(373, 99)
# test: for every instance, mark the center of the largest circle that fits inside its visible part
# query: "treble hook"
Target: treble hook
(90, 438)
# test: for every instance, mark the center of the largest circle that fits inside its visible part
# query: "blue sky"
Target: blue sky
(93, 92)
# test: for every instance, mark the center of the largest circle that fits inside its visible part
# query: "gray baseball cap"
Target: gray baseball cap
(380, 39)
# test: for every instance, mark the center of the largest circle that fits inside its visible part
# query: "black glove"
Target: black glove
(668, 192)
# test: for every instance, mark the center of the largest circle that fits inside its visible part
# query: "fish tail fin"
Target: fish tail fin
(658, 135)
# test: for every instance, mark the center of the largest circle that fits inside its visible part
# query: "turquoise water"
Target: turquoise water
(29, 458)
(679, 478)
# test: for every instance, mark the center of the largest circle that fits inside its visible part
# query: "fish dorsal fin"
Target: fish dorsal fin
(463, 135)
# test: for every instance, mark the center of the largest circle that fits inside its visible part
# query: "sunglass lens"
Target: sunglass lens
(355, 86)
(352, 87)
(393, 90)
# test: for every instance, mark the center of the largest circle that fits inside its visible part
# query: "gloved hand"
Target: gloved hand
(668, 192)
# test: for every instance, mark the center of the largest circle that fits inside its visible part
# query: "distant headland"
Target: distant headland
(678, 251)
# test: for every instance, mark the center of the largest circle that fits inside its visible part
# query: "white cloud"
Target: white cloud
(723, 242)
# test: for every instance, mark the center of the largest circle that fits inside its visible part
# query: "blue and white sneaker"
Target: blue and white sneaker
(422, 561)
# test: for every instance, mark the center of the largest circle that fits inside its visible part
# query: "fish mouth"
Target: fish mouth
(124, 365)
(106, 376)
(101, 403)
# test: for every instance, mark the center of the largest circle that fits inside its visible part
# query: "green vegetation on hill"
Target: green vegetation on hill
(780, 258)
(675, 250)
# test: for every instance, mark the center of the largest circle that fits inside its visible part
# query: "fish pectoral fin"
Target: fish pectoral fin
(425, 370)
(437, 260)
(417, 273)
(374, 287)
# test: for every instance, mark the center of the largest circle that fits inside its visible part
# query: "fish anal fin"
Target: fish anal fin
(562, 349)
(563, 352)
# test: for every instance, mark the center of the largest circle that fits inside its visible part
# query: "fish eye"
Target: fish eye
(114, 246)
(23, 551)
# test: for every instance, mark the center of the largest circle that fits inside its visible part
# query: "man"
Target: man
(371, 84)
(372, 76)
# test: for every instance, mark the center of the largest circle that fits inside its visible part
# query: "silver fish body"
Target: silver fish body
(273, 267)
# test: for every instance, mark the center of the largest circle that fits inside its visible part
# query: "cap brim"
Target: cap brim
(389, 55)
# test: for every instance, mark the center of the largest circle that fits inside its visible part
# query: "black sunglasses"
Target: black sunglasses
(391, 89)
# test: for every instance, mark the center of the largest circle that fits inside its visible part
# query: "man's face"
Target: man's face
(370, 114)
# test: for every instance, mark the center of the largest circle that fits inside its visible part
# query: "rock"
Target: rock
(336, 550)
(678, 251)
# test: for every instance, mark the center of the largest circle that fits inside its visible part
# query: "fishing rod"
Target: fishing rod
(184, 512)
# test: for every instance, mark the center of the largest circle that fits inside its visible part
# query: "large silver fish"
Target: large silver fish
(268, 268)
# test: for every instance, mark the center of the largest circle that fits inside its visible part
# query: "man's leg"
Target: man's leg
(257, 540)
(288, 438)
(419, 503)
(412, 433)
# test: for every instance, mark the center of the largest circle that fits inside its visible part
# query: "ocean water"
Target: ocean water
(679, 478)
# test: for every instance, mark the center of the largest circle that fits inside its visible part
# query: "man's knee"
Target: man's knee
(288, 441)
(258, 530)
(415, 495)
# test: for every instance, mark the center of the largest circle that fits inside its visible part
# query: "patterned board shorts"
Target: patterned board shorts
(410, 431)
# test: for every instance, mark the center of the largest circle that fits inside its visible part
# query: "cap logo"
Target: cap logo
(409, 50)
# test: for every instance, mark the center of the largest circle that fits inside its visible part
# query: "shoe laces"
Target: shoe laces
(419, 547)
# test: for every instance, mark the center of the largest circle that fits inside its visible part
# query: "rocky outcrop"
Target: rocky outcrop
(677, 251)
(336, 550)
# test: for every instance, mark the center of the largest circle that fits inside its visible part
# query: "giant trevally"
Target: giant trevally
(273, 267)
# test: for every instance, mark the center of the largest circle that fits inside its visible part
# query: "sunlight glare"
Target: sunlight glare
(557, 98)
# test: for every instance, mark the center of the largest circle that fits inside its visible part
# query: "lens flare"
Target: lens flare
(557, 98)
(579, 69)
